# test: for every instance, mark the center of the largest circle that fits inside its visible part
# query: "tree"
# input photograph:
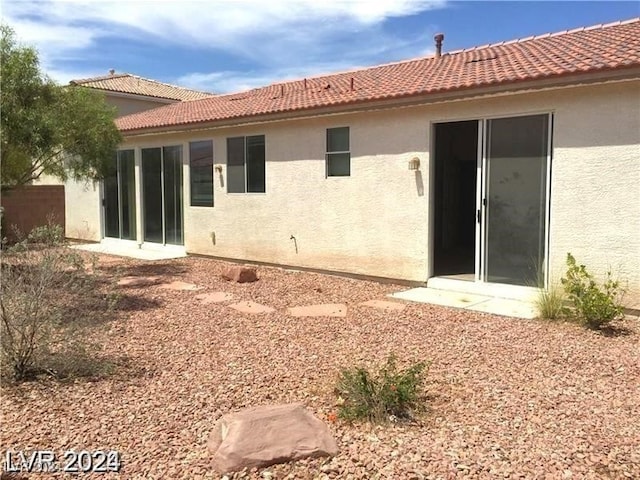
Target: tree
(64, 131)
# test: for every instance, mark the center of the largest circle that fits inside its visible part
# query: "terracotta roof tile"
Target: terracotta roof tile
(584, 50)
(133, 84)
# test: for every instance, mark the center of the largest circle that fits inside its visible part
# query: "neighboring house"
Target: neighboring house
(483, 167)
(129, 94)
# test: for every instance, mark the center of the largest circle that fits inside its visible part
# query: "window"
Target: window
(201, 173)
(246, 164)
(338, 156)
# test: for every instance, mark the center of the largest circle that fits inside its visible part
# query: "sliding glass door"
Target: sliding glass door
(162, 194)
(515, 200)
(119, 198)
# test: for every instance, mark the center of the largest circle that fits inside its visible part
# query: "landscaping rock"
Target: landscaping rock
(214, 297)
(240, 274)
(134, 281)
(251, 307)
(266, 435)
(179, 285)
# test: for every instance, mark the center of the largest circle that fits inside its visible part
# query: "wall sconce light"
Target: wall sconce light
(218, 168)
(414, 163)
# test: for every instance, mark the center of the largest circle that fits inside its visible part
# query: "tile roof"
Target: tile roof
(586, 50)
(128, 83)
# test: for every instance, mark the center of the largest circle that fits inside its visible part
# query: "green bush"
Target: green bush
(377, 397)
(50, 235)
(594, 306)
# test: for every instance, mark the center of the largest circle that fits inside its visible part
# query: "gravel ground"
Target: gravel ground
(506, 398)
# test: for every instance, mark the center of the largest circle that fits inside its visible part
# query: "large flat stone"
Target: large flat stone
(320, 310)
(214, 297)
(134, 281)
(251, 307)
(384, 305)
(178, 285)
(263, 436)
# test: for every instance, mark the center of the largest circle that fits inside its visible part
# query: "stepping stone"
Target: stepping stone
(133, 281)
(384, 305)
(266, 435)
(178, 285)
(321, 310)
(214, 297)
(251, 307)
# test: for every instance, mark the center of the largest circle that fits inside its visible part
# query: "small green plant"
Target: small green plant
(50, 235)
(550, 303)
(594, 306)
(377, 397)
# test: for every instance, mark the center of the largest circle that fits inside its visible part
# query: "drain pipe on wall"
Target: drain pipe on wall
(295, 242)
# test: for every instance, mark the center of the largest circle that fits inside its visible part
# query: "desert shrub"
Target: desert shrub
(389, 392)
(50, 235)
(593, 305)
(44, 295)
(550, 303)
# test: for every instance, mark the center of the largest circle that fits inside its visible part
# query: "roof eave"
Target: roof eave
(137, 96)
(509, 87)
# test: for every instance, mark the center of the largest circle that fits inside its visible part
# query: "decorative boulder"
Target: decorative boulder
(240, 274)
(263, 436)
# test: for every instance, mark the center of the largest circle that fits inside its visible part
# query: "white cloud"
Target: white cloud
(237, 81)
(272, 36)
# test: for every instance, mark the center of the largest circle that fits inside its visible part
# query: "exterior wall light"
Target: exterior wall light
(414, 163)
(218, 168)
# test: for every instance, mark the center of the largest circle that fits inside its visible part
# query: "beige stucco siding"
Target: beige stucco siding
(356, 224)
(596, 184)
(376, 221)
(83, 210)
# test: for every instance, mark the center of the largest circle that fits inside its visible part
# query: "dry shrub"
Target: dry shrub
(48, 298)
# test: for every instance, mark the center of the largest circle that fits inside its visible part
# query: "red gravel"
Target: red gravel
(507, 398)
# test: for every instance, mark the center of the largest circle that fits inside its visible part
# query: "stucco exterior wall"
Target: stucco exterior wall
(83, 199)
(377, 221)
(83, 210)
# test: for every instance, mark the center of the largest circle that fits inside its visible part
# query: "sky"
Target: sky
(226, 46)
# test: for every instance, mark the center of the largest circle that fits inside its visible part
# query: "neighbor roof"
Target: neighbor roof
(585, 50)
(133, 84)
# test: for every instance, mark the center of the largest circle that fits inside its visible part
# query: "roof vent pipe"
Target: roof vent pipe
(439, 37)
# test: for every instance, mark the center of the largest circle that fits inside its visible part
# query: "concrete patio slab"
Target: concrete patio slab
(506, 307)
(251, 307)
(320, 310)
(131, 250)
(440, 297)
(479, 303)
(214, 297)
(384, 305)
(178, 285)
(135, 281)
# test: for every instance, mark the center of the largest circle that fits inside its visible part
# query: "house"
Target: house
(479, 167)
(129, 94)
